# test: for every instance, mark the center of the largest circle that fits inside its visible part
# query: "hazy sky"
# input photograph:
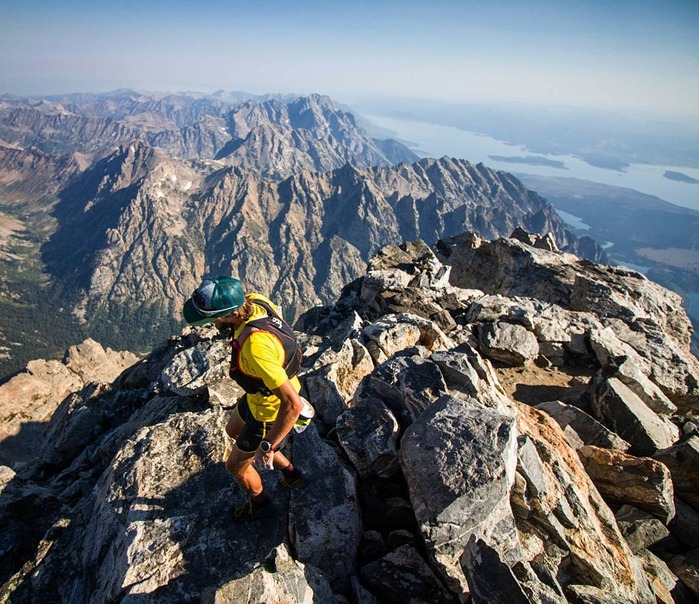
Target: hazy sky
(612, 53)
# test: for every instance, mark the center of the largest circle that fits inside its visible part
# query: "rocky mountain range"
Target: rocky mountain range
(113, 207)
(139, 223)
(274, 137)
(497, 421)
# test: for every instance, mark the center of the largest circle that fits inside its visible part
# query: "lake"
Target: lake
(436, 140)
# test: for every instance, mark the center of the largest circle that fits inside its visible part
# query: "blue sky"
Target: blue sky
(638, 54)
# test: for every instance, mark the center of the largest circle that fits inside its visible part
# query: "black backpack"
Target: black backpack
(275, 325)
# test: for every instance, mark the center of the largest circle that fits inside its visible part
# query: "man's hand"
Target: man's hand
(263, 461)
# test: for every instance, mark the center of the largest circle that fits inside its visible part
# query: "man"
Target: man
(264, 362)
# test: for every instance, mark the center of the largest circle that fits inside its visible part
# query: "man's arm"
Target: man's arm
(290, 408)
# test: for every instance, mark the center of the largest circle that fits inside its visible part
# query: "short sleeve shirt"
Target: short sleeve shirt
(262, 356)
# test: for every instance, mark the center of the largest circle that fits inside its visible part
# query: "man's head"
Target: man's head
(216, 297)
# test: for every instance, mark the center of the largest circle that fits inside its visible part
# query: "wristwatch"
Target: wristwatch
(266, 446)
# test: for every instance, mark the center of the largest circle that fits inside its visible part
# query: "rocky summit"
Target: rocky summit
(497, 421)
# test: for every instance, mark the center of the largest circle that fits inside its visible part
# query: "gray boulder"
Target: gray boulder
(406, 384)
(640, 529)
(459, 485)
(491, 580)
(192, 370)
(393, 333)
(457, 368)
(508, 343)
(618, 408)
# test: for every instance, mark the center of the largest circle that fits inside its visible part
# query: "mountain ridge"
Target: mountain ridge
(269, 233)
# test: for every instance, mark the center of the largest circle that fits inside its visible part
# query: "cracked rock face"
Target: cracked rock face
(437, 472)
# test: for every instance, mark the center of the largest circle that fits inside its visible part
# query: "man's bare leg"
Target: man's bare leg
(239, 465)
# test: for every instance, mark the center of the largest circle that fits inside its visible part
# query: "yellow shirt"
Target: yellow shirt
(262, 356)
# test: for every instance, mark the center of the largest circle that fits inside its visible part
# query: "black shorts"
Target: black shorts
(254, 430)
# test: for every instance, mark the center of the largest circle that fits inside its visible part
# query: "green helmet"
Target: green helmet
(215, 297)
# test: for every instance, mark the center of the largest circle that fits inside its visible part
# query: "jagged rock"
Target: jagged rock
(403, 576)
(163, 495)
(586, 427)
(334, 377)
(628, 295)
(377, 281)
(631, 374)
(566, 519)
(27, 401)
(545, 242)
(587, 594)
(508, 343)
(683, 461)
(666, 585)
(137, 511)
(26, 510)
(639, 481)
(74, 425)
(281, 579)
(618, 408)
(368, 433)
(623, 362)
(509, 267)
(193, 369)
(640, 529)
(607, 346)
(661, 330)
(457, 367)
(407, 385)
(672, 365)
(539, 583)
(416, 257)
(324, 521)
(459, 485)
